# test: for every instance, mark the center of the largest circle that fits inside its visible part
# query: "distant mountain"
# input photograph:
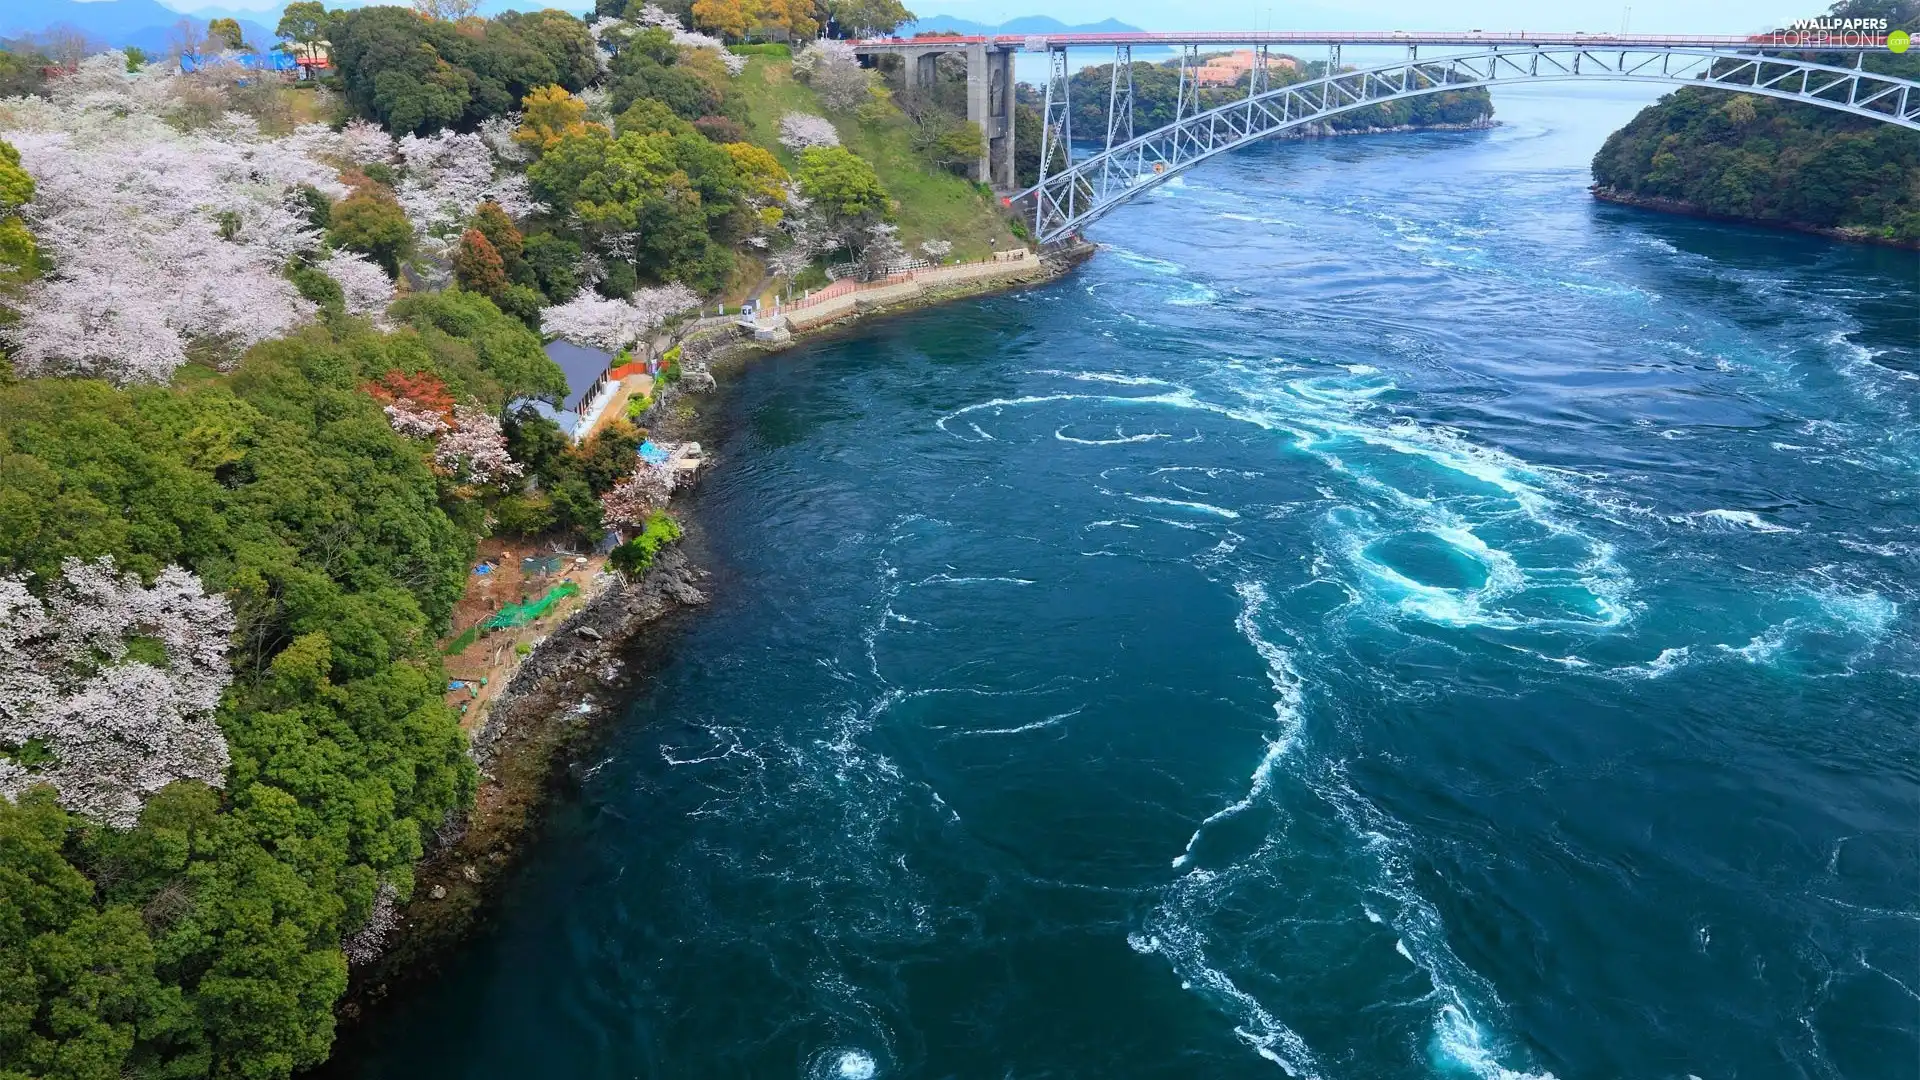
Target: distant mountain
(116, 23)
(1024, 26)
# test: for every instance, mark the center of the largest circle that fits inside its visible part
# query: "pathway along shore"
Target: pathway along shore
(580, 673)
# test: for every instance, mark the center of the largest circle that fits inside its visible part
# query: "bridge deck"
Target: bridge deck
(1796, 40)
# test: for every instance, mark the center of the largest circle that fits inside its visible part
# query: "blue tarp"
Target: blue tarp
(652, 454)
(273, 60)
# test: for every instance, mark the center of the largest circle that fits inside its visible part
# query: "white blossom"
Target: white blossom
(833, 70)
(824, 51)
(409, 418)
(365, 945)
(497, 132)
(364, 143)
(802, 131)
(159, 238)
(790, 261)
(592, 319)
(627, 504)
(475, 449)
(447, 175)
(116, 729)
(937, 249)
(366, 286)
(599, 102)
(881, 249)
(653, 15)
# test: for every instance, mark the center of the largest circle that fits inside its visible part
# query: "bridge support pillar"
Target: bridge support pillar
(990, 104)
(921, 72)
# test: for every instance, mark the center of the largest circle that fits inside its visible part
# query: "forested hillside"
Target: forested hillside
(264, 354)
(1766, 160)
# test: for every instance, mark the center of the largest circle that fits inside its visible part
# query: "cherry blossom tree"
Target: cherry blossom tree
(833, 70)
(592, 319)
(627, 504)
(367, 288)
(881, 251)
(475, 450)
(801, 131)
(408, 418)
(159, 238)
(447, 175)
(364, 946)
(108, 687)
(937, 249)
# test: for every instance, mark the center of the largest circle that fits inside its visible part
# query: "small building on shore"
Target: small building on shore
(595, 388)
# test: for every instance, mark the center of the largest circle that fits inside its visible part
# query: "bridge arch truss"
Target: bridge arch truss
(1067, 199)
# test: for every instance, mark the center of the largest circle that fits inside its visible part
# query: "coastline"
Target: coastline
(574, 679)
(1687, 209)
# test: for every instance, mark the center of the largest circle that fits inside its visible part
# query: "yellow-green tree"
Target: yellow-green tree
(763, 182)
(550, 114)
(791, 19)
(228, 31)
(726, 18)
(17, 256)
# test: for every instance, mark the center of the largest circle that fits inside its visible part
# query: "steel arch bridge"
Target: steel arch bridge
(1065, 201)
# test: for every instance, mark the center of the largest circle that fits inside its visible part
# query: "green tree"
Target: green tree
(674, 199)
(841, 184)
(1766, 160)
(372, 223)
(228, 32)
(18, 255)
(303, 23)
(867, 18)
(492, 221)
(420, 75)
(552, 260)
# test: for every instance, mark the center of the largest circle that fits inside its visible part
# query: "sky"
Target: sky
(1645, 16)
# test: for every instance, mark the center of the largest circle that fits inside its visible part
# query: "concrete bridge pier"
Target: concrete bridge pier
(990, 94)
(920, 66)
(990, 104)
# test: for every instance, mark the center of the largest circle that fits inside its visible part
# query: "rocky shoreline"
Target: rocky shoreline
(576, 677)
(1687, 209)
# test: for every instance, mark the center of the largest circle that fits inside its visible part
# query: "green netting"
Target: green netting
(522, 614)
(533, 565)
(459, 644)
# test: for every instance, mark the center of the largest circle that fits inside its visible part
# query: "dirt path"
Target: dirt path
(486, 660)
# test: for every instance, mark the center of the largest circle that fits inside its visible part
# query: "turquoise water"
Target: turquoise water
(1386, 616)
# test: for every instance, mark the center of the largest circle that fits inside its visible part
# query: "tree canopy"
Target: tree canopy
(1763, 159)
(419, 75)
(205, 939)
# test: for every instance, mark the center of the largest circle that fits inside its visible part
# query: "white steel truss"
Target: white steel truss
(1066, 200)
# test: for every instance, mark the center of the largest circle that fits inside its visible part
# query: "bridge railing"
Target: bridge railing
(1067, 198)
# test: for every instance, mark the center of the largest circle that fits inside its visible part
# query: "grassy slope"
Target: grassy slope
(933, 204)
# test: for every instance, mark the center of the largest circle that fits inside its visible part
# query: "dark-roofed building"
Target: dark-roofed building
(587, 385)
(584, 368)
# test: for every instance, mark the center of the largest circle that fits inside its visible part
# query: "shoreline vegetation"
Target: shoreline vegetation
(571, 682)
(1682, 208)
(1763, 161)
(279, 394)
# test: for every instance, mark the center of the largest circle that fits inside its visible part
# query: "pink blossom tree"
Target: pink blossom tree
(627, 504)
(592, 319)
(801, 131)
(475, 451)
(159, 239)
(367, 288)
(77, 682)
